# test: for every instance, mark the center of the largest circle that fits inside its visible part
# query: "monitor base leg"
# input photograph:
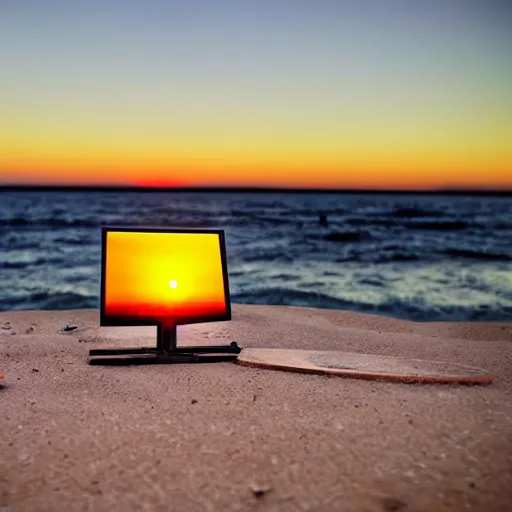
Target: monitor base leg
(176, 355)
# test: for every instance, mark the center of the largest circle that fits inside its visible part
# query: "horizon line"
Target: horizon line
(234, 189)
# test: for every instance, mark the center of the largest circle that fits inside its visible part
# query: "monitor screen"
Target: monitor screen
(163, 277)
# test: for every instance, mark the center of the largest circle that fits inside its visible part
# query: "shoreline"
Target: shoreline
(364, 313)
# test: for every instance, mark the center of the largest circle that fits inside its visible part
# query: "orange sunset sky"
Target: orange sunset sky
(281, 93)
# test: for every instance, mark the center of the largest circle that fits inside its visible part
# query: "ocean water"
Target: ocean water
(418, 257)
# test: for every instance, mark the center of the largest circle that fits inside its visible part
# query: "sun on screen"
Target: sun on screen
(163, 275)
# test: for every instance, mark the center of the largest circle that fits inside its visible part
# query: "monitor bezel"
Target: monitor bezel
(125, 321)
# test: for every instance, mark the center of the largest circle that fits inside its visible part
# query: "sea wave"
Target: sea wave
(406, 309)
(49, 301)
(396, 308)
(413, 212)
(49, 222)
(31, 263)
(426, 224)
(441, 225)
(346, 236)
(477, 255)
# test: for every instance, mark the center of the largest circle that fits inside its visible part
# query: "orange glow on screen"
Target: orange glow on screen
(165, 277)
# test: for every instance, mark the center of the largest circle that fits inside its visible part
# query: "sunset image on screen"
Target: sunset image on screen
(167, 277)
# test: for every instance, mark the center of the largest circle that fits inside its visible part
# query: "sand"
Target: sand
(225, 437)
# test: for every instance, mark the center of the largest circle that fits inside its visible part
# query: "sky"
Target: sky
(372, 94)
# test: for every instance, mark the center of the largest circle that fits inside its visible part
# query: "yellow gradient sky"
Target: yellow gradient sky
(286, 93)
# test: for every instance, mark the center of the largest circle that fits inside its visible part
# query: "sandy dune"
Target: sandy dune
(224, 437)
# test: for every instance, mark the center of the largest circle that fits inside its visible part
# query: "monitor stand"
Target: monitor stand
(165, 352)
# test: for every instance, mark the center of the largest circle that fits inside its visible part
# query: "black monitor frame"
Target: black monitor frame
(166, 350)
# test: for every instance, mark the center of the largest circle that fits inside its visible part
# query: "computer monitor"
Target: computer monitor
(165, 278)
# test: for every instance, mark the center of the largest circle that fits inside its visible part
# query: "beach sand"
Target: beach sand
(222, 437)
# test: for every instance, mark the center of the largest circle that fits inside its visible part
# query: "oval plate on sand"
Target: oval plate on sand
(363, 366)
